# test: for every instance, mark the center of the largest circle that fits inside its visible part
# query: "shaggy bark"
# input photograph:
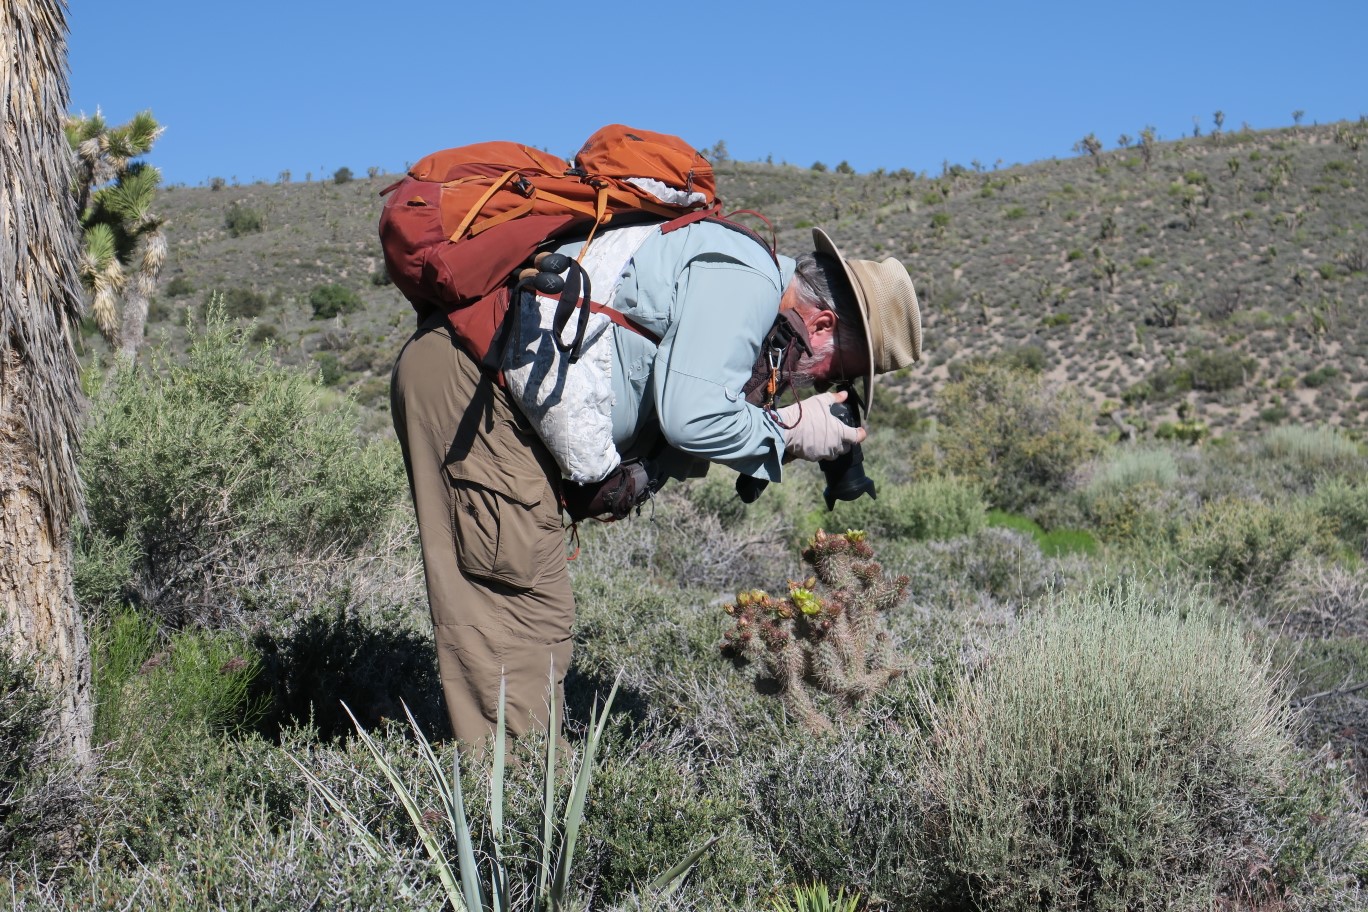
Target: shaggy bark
(40, 398)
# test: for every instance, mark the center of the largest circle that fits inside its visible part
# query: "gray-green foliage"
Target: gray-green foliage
(1246, 545)
(201, 472)
(1117, 754)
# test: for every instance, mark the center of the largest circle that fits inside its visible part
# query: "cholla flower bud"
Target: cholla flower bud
(805, 600)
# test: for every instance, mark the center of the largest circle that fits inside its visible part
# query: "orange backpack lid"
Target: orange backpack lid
(622, 152)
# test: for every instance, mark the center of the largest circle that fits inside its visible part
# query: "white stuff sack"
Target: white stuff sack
(571, 405)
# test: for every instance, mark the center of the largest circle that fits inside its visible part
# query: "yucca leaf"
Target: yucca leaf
(498, 879)
(453, 804)
(411, 807)
(574, 809)
(671, 880)
(549, 794)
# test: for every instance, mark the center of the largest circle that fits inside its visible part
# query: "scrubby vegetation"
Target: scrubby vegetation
(1167, 719)
(1111, 656)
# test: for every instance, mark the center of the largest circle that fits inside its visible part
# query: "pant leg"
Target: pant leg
(489, 523)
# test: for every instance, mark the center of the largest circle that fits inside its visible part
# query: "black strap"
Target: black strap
(576, 294)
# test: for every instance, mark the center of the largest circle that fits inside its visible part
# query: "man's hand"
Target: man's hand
(815, 433)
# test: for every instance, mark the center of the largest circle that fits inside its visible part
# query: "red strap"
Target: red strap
(626, 322)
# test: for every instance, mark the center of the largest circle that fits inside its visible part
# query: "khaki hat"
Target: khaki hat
(888, 306)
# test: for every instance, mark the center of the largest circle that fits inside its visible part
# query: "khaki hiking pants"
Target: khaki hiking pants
(490, 527)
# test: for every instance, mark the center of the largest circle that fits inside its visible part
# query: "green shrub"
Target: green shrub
(328, 301)
(1219, 370)
(1246, 545)
(1116, 754)
(932, 508)
(179, 287)
(243, 303)
(202, 473)
(1321, 376)
(240, 220)
(330, 371)
(342, 176)
(1141, 512)
(191, 680)
(1016, 434)
(1343, 505)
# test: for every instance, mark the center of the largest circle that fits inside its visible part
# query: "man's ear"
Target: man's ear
(818, 320)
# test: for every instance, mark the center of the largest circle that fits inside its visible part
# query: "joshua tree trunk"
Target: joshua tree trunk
(40, 398)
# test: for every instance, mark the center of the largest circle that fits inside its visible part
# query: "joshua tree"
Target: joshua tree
(40, 395)
(1148, 138)
(1219, 118)
(1091, 145)
(836, 645)
(124, 246)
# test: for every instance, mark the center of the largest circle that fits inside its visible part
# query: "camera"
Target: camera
(845, 475)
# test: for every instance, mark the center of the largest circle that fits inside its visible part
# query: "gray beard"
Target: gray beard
(802, 373)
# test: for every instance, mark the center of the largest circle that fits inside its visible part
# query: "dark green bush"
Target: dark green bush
(328, 301)
(241, 219)
(329, 654)
(342, 176)
(179, 287)
(243, 303)
(1217, 371)
(330, 371)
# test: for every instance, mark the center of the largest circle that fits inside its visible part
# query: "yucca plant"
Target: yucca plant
(817, 898)
(464, 887)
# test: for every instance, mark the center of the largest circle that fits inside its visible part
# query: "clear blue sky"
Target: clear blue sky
(252, 88)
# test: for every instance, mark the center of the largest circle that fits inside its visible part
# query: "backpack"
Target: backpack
(465, 219)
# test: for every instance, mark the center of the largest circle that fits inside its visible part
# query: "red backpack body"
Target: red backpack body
(465, 219)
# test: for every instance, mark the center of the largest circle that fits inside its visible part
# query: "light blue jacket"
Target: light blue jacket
(711, 294)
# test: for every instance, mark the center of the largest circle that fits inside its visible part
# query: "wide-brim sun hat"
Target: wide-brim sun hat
(888, 309)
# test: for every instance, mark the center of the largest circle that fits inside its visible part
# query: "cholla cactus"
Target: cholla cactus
(836, 644)
(124, 246)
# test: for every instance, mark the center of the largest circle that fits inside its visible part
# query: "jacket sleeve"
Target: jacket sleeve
(723, 310)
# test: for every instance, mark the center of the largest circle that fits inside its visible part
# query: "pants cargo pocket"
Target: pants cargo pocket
(504, 514)
(496, 536)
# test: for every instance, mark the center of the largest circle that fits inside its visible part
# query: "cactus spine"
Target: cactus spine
(837, 644)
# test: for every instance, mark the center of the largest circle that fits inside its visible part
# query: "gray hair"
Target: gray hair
(812, 281)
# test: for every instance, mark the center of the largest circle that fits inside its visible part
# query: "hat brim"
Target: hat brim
(823, 244)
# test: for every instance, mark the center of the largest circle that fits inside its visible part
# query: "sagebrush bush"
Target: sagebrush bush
(1020, 436)
(1121, 468)
(1116, 754)
(1311, 454)
(203, 474)
(845, 808)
